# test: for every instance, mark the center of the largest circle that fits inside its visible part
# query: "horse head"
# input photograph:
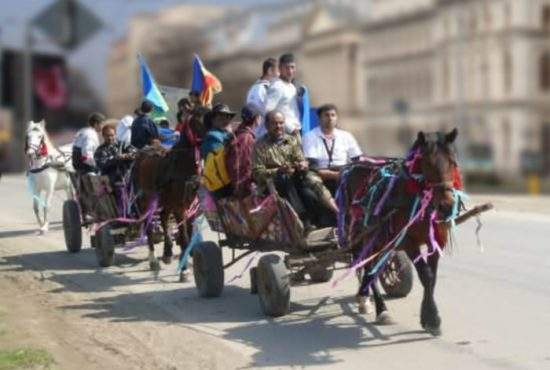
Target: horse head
(35, 138)
(434, 157)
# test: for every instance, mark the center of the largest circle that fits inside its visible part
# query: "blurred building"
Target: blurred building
(167, 39)
(482, 66)
(393, 67)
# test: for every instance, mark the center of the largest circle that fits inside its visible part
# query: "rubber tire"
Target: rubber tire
(405, 275)
(104, 247)
(273, 280)
(254, 280)
(208, 269)
(321, 275)
(72, 226)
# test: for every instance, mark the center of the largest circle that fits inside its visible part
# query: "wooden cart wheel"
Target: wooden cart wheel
(72, 226)
(104, 246)
(273, 285)
(254, 280)
(208, 269)
(397, 279)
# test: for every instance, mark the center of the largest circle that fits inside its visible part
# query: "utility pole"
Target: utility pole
(1, 69)
(27, 76)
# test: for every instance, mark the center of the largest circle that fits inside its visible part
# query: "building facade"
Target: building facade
(479, 65)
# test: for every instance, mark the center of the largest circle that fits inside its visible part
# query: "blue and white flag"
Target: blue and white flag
(150, 90)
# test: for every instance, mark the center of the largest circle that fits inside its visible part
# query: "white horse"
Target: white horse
(48, 170)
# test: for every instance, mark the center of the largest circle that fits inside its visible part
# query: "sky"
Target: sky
(92, 55)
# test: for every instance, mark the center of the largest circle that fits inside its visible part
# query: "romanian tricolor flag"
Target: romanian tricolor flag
(204, 82)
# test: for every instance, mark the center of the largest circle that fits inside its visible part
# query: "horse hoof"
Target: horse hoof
(184, 277)
(167, 260)
(154, 265)
(435, 331)
(384, 319)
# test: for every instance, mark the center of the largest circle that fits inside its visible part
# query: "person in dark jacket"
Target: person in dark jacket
(113, 158)
(144, 130)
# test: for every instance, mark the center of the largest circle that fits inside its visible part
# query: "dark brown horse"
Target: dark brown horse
(168, 180)
(428, 177)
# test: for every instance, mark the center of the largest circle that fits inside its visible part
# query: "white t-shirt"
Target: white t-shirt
(282, 96)
(257, 93)
(87, 140)
(124, 130)
(344, 147)
(256, 96)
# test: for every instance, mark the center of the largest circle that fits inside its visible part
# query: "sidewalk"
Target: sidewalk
(515, 202)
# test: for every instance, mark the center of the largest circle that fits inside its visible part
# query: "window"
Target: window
(485, 83)
(545, 72)
(546, 17)
(507, 142)
(507, 14)
(446, 78)
(487, 15)
(508, 72)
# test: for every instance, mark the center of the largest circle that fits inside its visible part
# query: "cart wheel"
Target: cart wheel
(254, 280)
(320, 274)
(104, 247)
(72, 226)
(273, 285)
(208, 269)
(397, 278)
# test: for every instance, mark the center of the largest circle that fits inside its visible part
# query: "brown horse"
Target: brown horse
(168, 180)
(429, 174)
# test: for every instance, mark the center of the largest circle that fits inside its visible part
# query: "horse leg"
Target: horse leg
(382, 315)
(429, 315)
(47, 204)
(167, 253)
(363, 301)
(36, 209)
(154, 264)
(182, 239)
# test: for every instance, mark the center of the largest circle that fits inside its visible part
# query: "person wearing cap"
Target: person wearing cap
(215, 175)
(85, 144)
(239, 151)
(144, 131)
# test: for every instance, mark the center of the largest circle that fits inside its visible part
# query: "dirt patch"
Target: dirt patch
(34, 316)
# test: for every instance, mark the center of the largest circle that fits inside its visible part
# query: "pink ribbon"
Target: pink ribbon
(428, 194)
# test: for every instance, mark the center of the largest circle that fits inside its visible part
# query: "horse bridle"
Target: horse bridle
(34, 147)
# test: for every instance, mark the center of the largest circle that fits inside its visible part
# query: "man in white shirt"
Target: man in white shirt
(282, 95)
(327, 147)
(85, 144)
(257, 93)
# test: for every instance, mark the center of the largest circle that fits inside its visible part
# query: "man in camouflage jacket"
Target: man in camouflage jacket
(278, 157)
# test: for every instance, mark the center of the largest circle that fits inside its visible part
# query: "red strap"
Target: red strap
(43, 150)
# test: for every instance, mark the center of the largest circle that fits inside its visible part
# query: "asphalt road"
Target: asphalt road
(495, 304)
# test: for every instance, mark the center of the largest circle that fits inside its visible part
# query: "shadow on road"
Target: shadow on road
(311, 334)
(26, 232)
(304, 337)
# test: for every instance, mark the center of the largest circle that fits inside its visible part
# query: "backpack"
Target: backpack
(214, 173)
